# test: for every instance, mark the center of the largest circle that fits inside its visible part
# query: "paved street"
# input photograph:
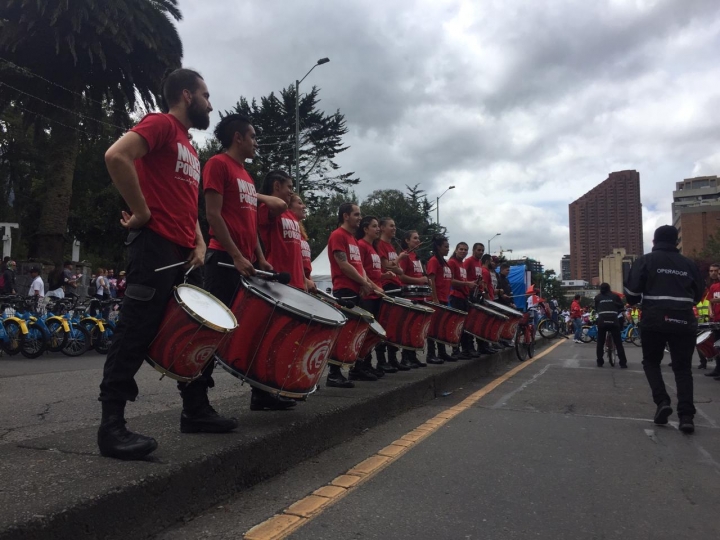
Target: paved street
(563, 450)
(56, 393)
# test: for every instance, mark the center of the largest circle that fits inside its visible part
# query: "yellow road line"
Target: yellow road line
(300, 512)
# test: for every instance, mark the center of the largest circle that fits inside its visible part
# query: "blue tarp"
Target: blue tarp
(519, 283)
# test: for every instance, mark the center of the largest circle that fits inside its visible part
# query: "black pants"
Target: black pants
(681, 351)
(142, 310)
(614, 331)
(462, 305)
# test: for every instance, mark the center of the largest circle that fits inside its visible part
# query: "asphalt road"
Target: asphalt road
(56, 393)
(561, 450)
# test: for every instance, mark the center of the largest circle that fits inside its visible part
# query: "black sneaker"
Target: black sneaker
(465, 355)
(377, 371)
(359, 373)
(385, 367)
(114, 440)
(600, 363)
(264, 401)
(398, 365)
(415, 361)
(623, 366)
(686, 424)
(338, 380)
(405, 362)
(663, 412)
(205, 420)
(434, 360)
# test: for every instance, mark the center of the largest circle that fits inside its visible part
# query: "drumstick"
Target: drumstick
(280, 277)
(170, 266)
(192, 267)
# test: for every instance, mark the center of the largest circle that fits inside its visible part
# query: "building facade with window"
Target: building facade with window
(696, 213)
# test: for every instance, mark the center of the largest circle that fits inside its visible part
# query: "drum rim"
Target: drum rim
(365, 315)
(447, 308)
(409, 305)
(484, 308)
(250, 287)
(377, 323)
(500, 307)
(187, 309)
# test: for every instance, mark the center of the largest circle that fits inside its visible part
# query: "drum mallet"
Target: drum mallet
(280, 277)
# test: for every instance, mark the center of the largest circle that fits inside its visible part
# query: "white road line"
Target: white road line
(503, 400)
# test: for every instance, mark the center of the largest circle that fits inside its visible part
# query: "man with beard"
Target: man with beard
(157, 172)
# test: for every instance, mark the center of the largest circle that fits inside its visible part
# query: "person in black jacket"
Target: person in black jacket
(669, 285)
(9, 278)
(608, 307)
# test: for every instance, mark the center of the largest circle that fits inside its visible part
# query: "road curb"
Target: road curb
(77, 494)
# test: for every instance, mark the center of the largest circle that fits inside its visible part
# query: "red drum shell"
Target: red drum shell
(348, 345)
(276, 349)
(406, 324)
(514, 318)
(706, 344)
(374, 337)
(484, 323)
(184, 344)
(446, 324)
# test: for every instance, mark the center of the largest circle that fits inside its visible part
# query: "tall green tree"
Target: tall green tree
(64, 63)
(320, 143)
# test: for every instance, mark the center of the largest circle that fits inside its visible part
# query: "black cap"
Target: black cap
(666, 233)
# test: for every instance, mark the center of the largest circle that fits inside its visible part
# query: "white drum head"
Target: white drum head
(206, 307)
(702, 337)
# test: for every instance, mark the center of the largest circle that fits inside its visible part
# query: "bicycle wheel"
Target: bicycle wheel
(635, 337)
(58, 336)
(15, 337)
(78, 342)
(530, 341)
(584, 335)
(103, 341)
(548, 329)
(520, 350)
(34, 343)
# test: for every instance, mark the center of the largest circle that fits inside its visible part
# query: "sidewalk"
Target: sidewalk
(58, 486)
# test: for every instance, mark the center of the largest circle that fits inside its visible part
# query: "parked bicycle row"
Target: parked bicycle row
(31, 327)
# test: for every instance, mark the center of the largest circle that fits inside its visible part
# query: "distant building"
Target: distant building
(571, 287)
(696, 212)
(614, 268)
(565, 268)
(536, 267)
(608, 215)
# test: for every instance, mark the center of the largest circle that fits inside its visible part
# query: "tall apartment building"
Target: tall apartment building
(606, 217)
(696, 212)
(565, 268)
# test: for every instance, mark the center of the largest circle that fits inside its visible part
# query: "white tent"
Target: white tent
(321, 271)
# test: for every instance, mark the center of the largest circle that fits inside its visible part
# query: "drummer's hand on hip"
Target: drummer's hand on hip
(134, 221)
(243, 266)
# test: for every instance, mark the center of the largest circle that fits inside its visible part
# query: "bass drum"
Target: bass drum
(484, 323)
(514, 318)
(406, 324)
(283, 340)
(446, 324)
(706, 345)
(353, 334)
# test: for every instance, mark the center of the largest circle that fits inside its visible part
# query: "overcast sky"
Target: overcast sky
(522, 105)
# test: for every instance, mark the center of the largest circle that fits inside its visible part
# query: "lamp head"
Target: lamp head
(323, 61)
(451, 187)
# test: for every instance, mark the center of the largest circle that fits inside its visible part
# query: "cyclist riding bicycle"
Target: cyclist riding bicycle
(609, 309)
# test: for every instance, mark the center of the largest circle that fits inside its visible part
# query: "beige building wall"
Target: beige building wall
(614, 267)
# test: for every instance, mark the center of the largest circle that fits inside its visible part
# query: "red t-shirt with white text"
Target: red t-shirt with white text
(458, 273)
(239, 209)
(443, 277)
(371, 263)
(169, 177)
(473, 267)
(714, 292)
(342, 240)
(487, 279)
(306, 257)
(387, 251)
(412, 266)
(281, 239)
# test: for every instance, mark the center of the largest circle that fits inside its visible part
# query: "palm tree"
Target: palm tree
(73, 67)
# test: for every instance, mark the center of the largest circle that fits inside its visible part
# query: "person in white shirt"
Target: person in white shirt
(37, 288)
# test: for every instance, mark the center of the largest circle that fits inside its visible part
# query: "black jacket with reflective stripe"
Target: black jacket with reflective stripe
(669, 285)
(608, 306)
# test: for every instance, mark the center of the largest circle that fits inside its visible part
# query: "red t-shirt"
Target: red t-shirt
(342, 240)
(473, 267)
(239, 209)
(487, 279)
(306, 257)
(459, 273)
(575, 310)
(169, 177)
(387, 251)
(371, 264)
(281, 240)
(412, 266)
(443, 277)
(714, 292)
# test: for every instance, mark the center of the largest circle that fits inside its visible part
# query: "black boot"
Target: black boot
(382, 362)
(443, 355)
(198, 416)
(360, 373)
(431, 357)
(414, 360)
(367, 364)
(337, 380)
(405, 360)
(392, 360)
(662, 413)
(260, 400)
(114, 440)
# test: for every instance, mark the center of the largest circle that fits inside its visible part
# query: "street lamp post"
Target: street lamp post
(297, 123)
(488, 247)
(437, 204)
